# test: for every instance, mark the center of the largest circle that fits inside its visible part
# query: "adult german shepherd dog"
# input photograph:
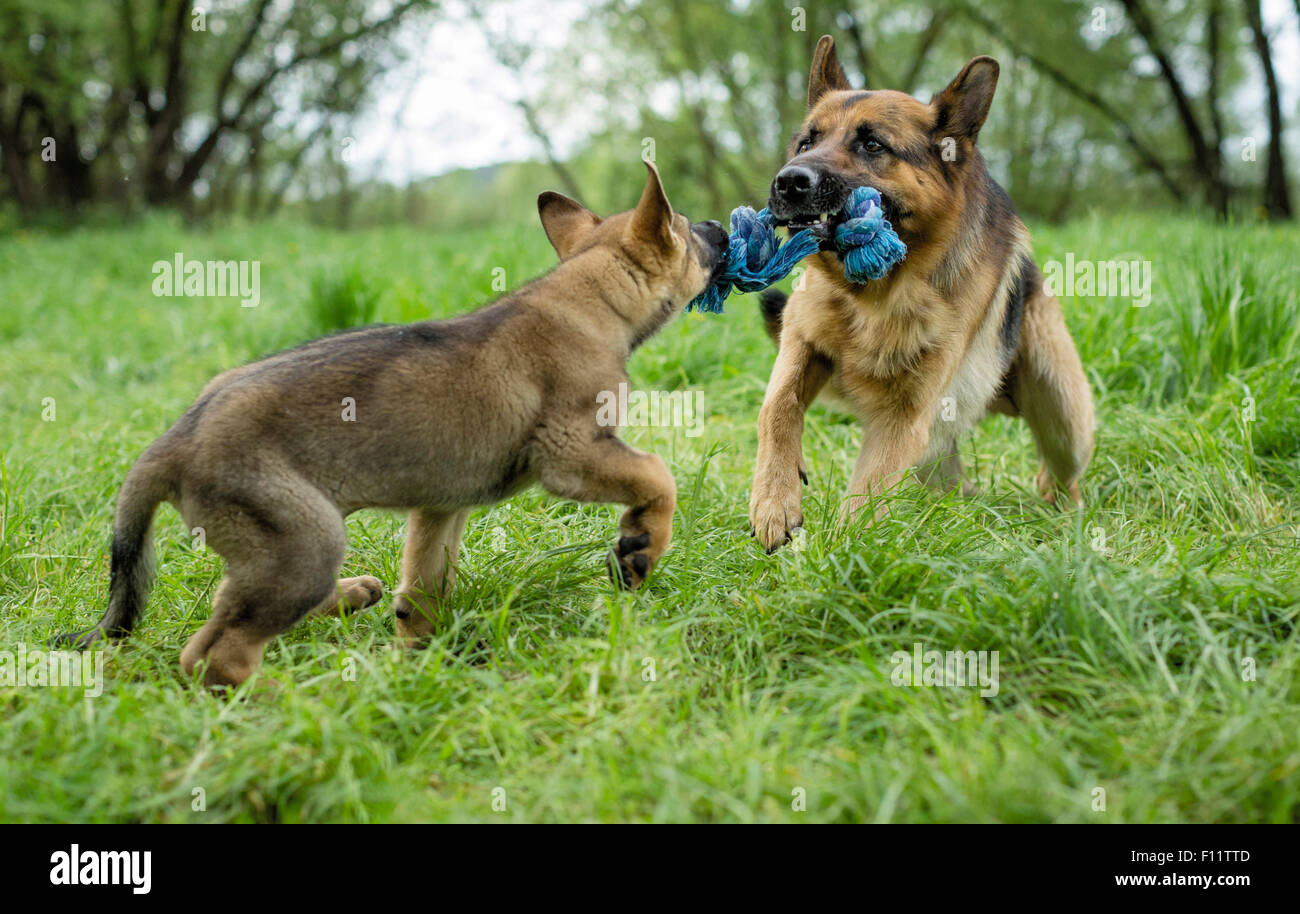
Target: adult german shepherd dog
(960, 328)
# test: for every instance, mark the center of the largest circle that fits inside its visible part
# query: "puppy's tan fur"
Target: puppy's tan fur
(446, 415)
(962, 327)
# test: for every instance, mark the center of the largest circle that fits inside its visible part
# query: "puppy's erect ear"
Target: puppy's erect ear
(566, 221)
(652, 220)
(827, 75)
(961, 108)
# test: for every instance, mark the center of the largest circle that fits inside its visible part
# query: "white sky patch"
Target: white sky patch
(453, 105)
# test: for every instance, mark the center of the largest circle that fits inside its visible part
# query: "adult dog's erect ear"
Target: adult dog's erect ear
(961, 108)
(566, 221)
(652, 220)
(827, 75)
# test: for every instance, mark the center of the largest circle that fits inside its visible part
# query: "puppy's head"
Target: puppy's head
(660, 259)
(917, 155)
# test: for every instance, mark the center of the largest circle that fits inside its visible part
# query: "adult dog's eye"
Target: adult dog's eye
(804, 145)
(872, 146)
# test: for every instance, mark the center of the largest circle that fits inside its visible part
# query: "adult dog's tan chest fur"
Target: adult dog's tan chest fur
(904, 350)
(882, 350)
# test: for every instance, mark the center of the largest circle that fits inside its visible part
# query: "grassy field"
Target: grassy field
(1147, 645)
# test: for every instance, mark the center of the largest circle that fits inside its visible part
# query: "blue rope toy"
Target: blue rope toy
(867, 244)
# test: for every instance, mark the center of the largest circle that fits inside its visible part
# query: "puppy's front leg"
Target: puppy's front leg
(607, 470)
(798, 375)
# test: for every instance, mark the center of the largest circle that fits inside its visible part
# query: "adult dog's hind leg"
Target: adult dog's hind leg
(283, 549)
(428, 569)
(607, 470)
(1051, 392)
(944, 475)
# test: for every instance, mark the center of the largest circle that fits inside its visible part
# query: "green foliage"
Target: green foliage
(341, 299)
(719, 88)
(1123, 630)
(1224, 303)
(127, 91)
(1083, 116)
(1237, 312)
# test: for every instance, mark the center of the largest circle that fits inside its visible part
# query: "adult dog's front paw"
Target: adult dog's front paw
(774, 512)
(630, 562)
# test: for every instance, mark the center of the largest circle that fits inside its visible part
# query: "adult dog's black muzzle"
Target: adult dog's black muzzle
(802, 192)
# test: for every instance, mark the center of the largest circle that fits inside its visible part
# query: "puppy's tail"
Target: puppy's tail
(132, 564)
(772, 302)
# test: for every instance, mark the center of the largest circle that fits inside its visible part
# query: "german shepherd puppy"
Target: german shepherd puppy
(434, 417)
(961, 327)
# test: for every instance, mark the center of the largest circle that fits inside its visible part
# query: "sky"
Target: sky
(453, 106)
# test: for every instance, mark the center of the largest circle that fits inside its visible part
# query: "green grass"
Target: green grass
(1121, 663)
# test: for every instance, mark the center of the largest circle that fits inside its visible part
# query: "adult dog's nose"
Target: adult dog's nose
(794, 185)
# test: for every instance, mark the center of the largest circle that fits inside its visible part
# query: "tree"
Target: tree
(143, 98)
(1207, 159)
(1277, 196)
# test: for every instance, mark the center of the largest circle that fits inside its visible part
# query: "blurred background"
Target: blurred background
(379, 160)
(352, 113)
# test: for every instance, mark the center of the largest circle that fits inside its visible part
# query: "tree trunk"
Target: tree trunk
(15, 166)
(166, 121)
(786, 113)
(1277, 196)
(13, 156)
(861, 50)
(548, 149)
(291, 169)
(933, 29)
(1214, 35)
(1207, 160)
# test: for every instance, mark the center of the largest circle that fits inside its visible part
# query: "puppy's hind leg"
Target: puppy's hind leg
(282, 556)
(607, 470)
(1051, 392)
(428, 570)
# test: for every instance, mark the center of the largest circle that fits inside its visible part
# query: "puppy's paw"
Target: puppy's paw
(630, 563)
(774, 515)
(357, 593)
